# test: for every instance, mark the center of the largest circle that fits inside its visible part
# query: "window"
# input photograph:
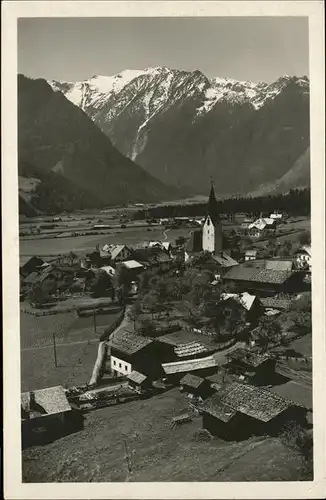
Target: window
(126, 368)
(119, 365)
(208, 222)
(114, 362)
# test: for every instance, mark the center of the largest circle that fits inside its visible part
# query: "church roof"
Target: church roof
(212, 207)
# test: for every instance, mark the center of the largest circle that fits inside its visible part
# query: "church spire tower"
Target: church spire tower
(212, 230)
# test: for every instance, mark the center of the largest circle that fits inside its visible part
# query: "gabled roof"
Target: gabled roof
(224, 260)
(279, 265)
(131, 264)
(192, 381)
(249, 400)
(52, 399)
(300, 395)
(189, 365)
(275, 303)
(245, 299)
(137, 377)
(242, 273)
(31, 278)
(129, 343)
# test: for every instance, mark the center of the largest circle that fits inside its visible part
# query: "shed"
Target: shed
(138, 381)
(195, 386)
(238, 411)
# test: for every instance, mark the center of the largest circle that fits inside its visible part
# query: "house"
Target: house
(263, 281)
(250, 303)
(276, 216)
(248, 365)
(238, 411)
(195, 387)
(33, 265)
(138, 381)
(223, 261)
(250, 254)
(260, 227)
(303, 258)
(133, 267)
(131, 352)
(152, 258)
(116, 253)
(45, 414)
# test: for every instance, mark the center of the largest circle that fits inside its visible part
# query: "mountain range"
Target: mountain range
(66, 162)
(184, 128)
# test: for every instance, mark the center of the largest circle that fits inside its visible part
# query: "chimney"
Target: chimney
(32, 401)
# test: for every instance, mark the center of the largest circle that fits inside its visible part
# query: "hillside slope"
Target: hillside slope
(76, 162)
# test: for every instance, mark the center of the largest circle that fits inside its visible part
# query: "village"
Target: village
(217, 321)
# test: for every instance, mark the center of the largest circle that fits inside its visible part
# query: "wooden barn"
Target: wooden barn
(253, 366)
(238, 411)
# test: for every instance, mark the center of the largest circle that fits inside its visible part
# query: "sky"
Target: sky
(244, 48)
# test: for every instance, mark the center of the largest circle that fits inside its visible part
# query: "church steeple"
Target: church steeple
(212, 206)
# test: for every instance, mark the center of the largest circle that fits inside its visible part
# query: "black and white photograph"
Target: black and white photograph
(164, 241)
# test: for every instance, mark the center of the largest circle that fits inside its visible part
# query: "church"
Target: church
(210, 237)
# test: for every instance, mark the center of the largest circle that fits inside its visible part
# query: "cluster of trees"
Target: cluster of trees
(296, 319)
(296, 202)
(188, 294)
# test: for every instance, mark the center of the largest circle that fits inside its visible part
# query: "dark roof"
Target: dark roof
(275, 303)
(247, 399)
(213, 406)
(242, 273)
(247, 357)
(52, 399)
(137, 377)
(299, 394)
(224, 260)
(192, 381)
(129, 343)
(32, 278)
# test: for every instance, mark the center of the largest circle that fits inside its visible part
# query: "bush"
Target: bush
(202, 435)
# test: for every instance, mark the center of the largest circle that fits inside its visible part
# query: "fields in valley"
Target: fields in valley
(158, 453)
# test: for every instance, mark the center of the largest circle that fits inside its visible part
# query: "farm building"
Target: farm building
(153, 258)
(202, 366)
(250, 303)
(275, 304)
(279, 265)
(250, 254)
(138, 381)
(131, 352)
(45, 414)
(183, 344)
(264, 282)
(31, 266)
(195, 386)
(238, 411)
(258, 368)
(115, 253)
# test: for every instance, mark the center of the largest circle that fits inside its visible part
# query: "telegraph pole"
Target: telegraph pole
(94, 319)
(127, 457)
(55, 351)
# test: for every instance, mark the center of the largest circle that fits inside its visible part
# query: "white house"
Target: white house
(303, 257)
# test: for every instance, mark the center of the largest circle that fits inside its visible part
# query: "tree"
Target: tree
(147, 327)
(134, 312)
(230, 318)
(269, 330)
(286, 249)
(101, 284)
(305, 238)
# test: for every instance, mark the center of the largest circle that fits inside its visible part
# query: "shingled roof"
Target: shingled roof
(275, 303)
(137, 377)
(52, 400)
(192, 381)
(240, 273)
(249, 400)
(129, 343)
(190, 365)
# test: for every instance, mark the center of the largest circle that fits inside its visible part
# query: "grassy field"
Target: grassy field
(54, 246)
(158, 453)
(76, 344)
